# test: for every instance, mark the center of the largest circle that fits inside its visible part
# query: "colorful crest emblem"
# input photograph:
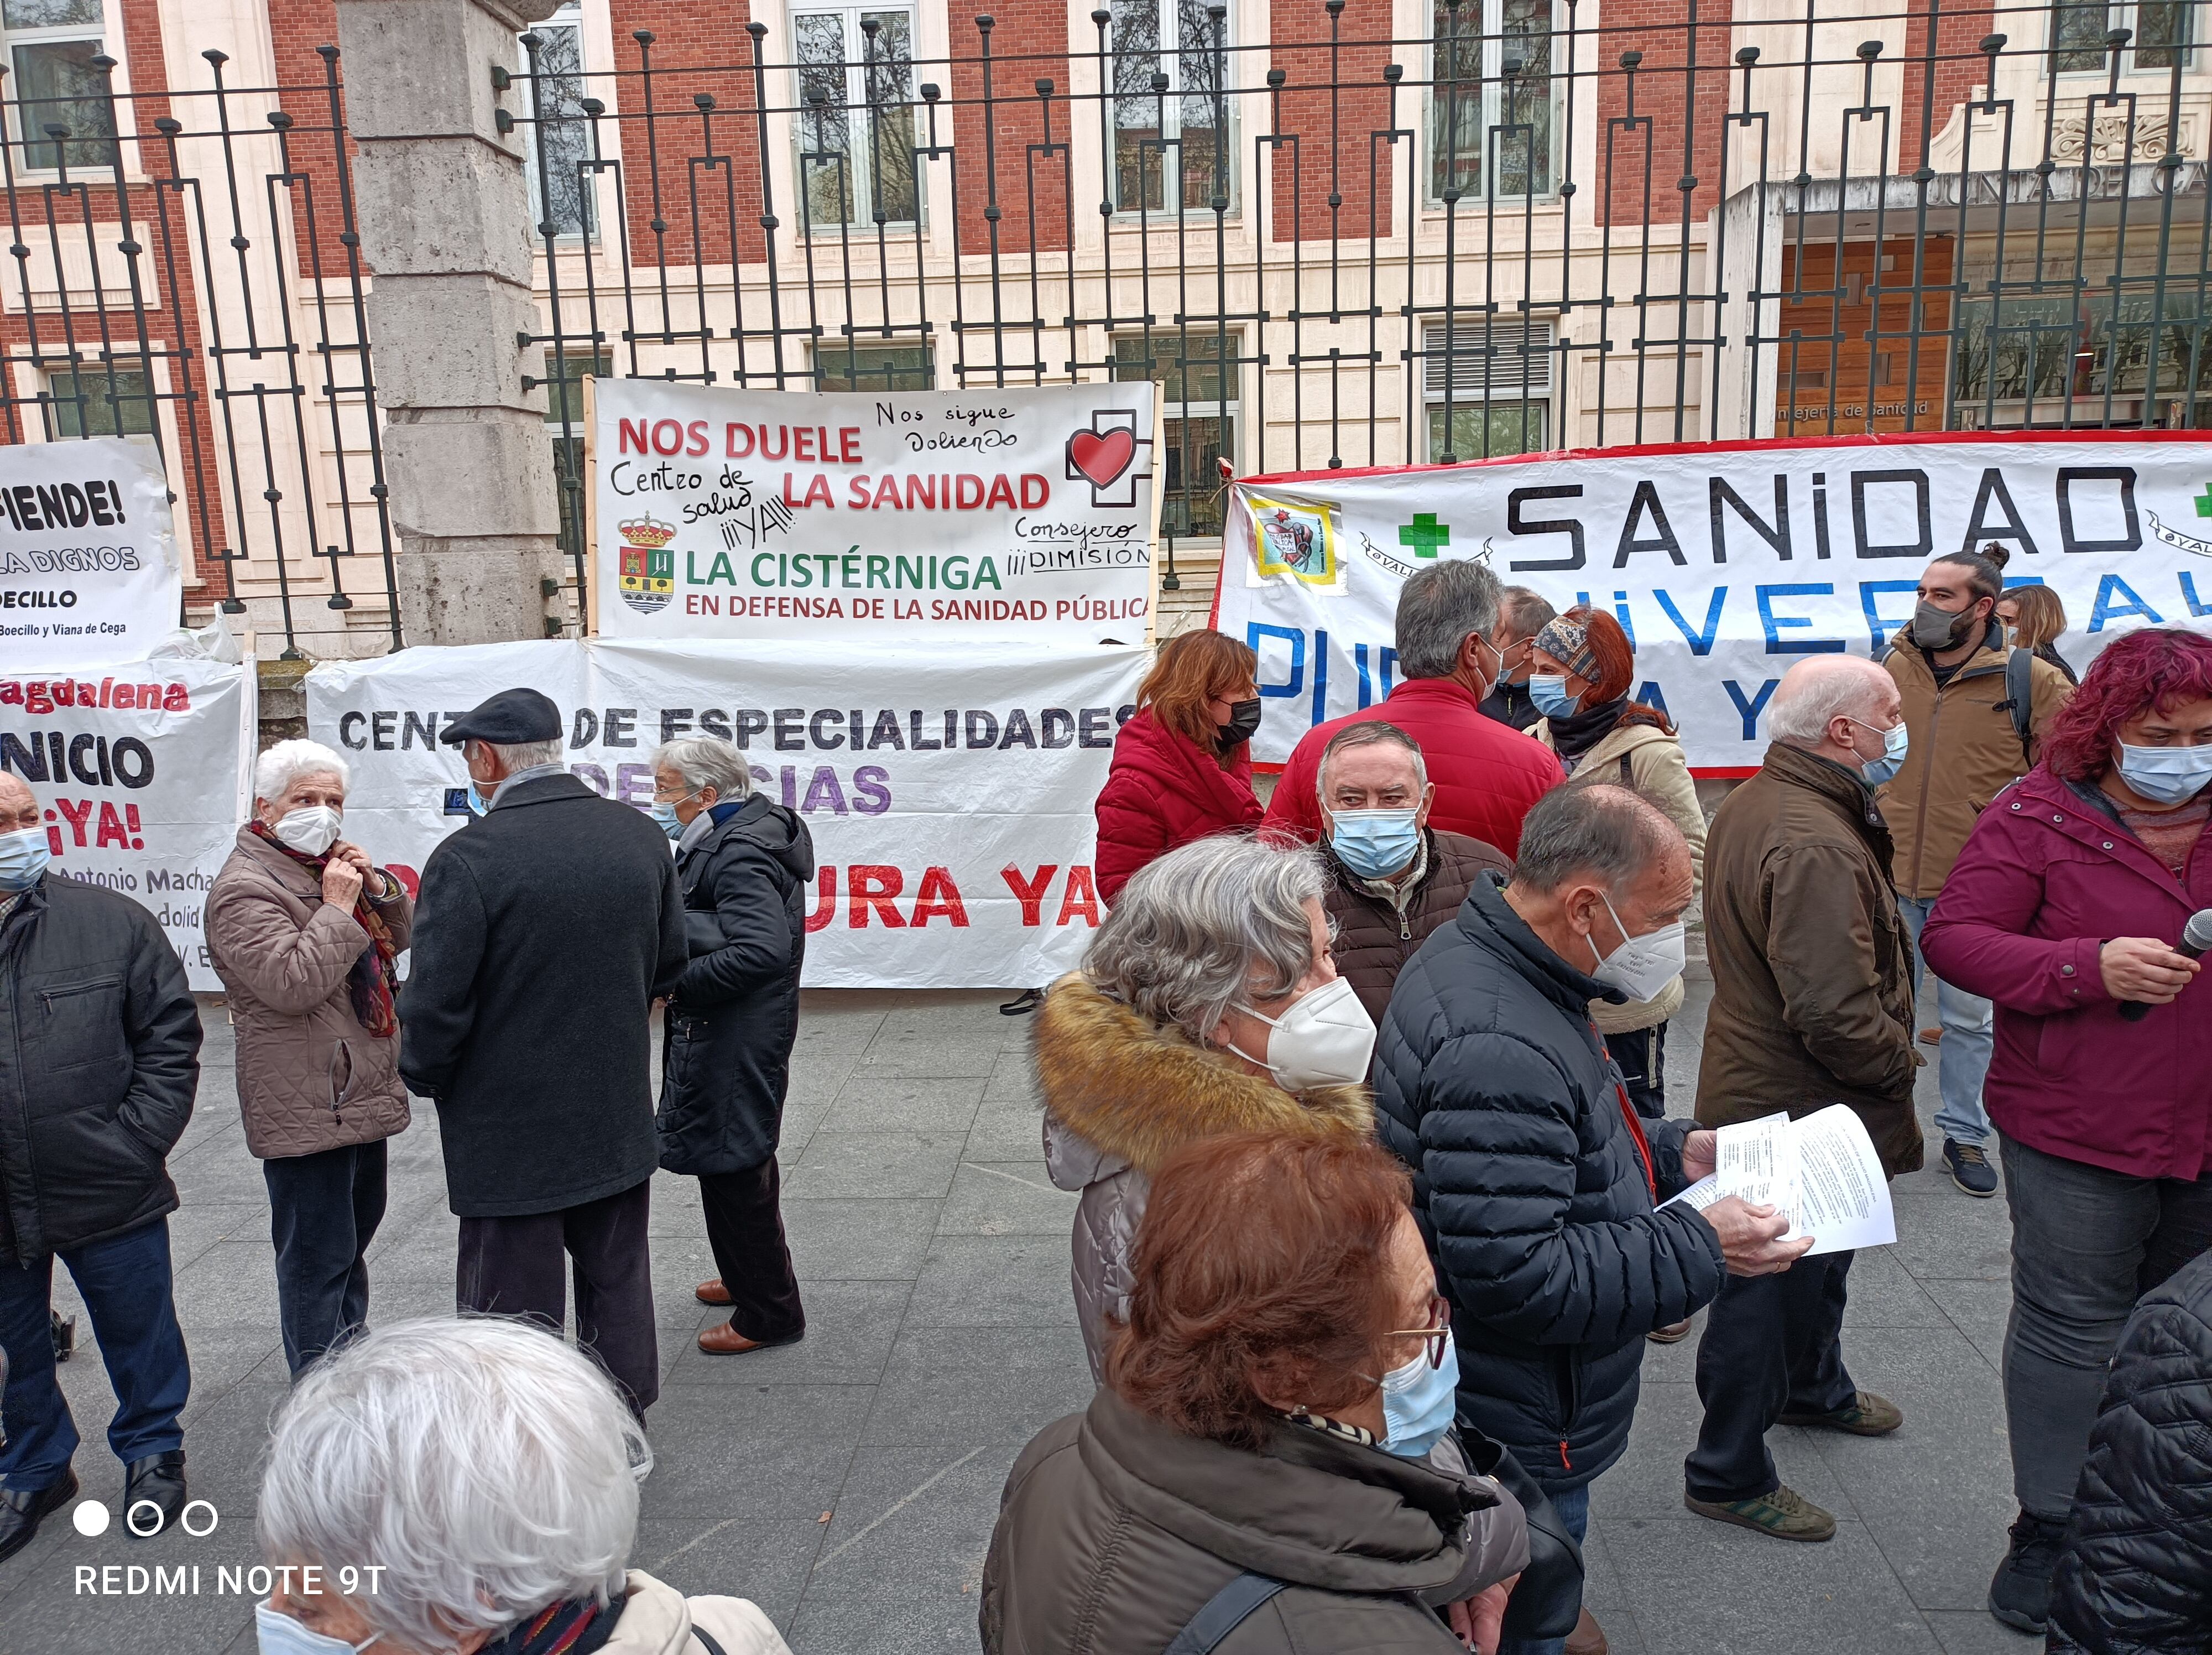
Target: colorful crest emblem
(648, 566)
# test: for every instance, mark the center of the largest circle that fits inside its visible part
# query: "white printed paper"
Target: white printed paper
(1821, 1172)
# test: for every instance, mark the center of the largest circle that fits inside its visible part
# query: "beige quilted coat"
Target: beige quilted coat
(310, 1078)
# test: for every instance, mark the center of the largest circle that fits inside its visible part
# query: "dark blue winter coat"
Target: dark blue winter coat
(1533, 1186)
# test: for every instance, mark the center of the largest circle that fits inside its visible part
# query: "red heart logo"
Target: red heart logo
(1102, 459)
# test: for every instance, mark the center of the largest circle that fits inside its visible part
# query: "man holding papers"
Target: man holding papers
(1534, 1180)
(1812, 1007)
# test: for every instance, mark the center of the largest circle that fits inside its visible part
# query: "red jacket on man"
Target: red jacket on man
(2047, 874)
(1486, 774)
(1163, 791)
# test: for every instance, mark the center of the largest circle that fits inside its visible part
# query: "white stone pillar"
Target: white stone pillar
(444, 209)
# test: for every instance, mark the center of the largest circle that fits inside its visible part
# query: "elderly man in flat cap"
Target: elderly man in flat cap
(544, 930)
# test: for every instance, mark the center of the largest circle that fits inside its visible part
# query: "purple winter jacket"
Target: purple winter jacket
(2047, 874)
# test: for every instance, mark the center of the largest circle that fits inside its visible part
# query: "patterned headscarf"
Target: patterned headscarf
(1568, 642)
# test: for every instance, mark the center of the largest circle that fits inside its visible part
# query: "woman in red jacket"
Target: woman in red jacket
(2064, 909)
(1182, 765)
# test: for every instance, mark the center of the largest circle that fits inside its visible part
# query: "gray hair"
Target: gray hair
(1211, 924)
(1368, 732)
(707, 761)
(1820, 689)
(483, 1462)
(524, 755)
(1437, 610)
(277, 769)
(1526, 610)
(1599, 829)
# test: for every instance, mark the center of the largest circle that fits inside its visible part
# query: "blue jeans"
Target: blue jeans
(1573, 1507)
(125, 1284)
(1969, 1038)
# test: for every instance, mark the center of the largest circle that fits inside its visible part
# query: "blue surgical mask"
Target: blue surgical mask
(278, 1633)
(2167, 776)
(24, 856)
(1895, 742)
(1420, 1402)
(1374, 844)
(1549, 692)
(478, 802)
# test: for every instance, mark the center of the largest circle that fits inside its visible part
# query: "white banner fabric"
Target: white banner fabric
(144, 772)
(1024, 515)
(1725, 563)
(948, 792)
(88, 567)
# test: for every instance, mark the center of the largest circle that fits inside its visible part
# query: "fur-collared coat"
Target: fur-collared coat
(1122, 1095)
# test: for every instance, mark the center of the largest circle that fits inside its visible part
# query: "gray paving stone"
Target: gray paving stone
(973, 1385)
(765, 1559)
(1007, 1198)
(859, 1240)
(874, 1165)
(756, 1450)
(872, 1102)
(999, 1280)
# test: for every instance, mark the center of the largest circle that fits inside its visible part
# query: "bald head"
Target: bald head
(1837, 706)
(18, 806)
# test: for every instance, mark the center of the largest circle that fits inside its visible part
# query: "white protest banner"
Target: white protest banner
(948, 792)
(1725, 562)
(88, 568)
(923, 516)
(143, 772)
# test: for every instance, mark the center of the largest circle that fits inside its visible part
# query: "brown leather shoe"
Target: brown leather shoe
(1673, 1334)
(723, 1340)
(1931, 1037)
(712, 1292)
(1587, 1639)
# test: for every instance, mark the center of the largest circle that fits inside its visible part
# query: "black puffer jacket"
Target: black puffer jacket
(2135, 1575)
(99, 1062)
(735, 1009)
(1533, 1186)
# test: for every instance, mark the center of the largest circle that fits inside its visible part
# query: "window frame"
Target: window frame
(569, 17)
(2119, 13)
(852, 352)
(1492, 94)
(863, 183)
(90, 380)
(107, 37)
(1168, 103)
(1505, 333)
(1228, 409)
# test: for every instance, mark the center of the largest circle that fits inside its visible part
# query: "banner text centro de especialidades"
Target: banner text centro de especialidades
(1724, 563)
(1020, 514)
(948, 793)
(88, 566)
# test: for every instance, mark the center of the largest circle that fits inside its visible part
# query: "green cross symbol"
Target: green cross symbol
(2204, 502)
(1424, 534)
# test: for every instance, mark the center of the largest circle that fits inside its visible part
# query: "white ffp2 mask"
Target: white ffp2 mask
(1642, 966)
(1324, 1038)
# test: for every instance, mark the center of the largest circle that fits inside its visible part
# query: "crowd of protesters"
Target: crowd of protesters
(1363, 1088)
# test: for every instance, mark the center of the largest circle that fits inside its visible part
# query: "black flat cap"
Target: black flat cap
(509, 717)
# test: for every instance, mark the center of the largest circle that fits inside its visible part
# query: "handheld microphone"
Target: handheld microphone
(2196, 941)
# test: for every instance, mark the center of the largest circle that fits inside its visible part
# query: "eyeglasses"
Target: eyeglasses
(1435, 1334)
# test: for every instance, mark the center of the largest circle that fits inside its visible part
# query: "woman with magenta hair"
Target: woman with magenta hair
(2065, 908)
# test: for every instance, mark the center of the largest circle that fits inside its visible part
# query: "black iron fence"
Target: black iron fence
(1530, 228)
(183, 268)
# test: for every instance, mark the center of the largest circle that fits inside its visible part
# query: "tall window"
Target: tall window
(52, 82)
(1198, 407)
(1175, 131)
(84, 400)
(564, 413)
(855, 128)
(1488, 389)
(1491, 132)
(872, 365)
(2160, 34)
(558, 148)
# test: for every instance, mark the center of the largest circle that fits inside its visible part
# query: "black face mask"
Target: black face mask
(1243, 721)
